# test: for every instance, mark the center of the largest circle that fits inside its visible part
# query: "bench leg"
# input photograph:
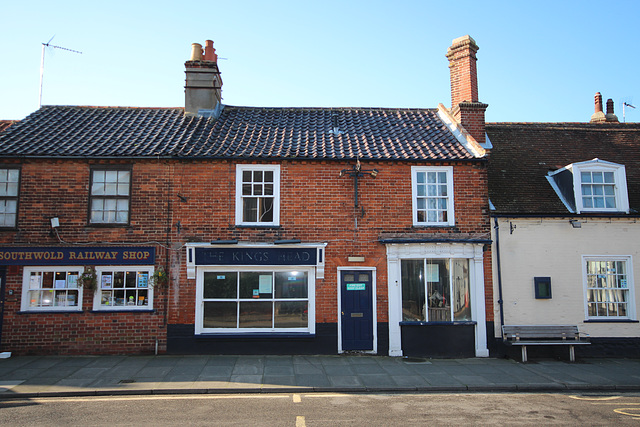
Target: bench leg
(572, 354)
(524, 354)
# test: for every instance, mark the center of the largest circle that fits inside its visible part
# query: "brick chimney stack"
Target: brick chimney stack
(203, 86)
(465, 107)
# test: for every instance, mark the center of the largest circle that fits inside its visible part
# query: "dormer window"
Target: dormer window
(592, 186)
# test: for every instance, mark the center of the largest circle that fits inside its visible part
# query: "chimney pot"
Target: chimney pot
(196, 52)
(610, 116)
(598, 102)
(210, 52)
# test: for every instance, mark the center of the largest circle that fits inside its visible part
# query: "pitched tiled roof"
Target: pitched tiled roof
(239, 132)
(524, 153)
(6, 123)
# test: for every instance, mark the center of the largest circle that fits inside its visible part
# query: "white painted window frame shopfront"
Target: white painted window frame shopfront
(471, 251)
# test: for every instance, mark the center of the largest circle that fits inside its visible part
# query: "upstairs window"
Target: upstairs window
(258, 195)
(592, 186)
(110, 196)
(9, 185)
(432, 189)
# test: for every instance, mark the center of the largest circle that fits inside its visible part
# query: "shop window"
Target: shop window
(124, 288)
(432, 189)
(51, 289)
(255, 301)
(110, 196)
(435, 290)
(9, 185)
(609, 287)
(258, 195)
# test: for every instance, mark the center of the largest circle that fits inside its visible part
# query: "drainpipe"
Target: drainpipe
(497, 229)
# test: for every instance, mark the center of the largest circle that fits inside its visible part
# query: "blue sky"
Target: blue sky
(539, 61)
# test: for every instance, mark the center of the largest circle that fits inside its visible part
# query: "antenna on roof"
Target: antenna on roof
(626, 104)
(48, 44)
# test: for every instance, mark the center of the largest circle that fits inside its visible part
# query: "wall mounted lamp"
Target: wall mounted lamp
(55, 222)
(575, 223)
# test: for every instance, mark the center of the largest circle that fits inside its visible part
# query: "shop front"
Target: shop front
(436, 299)
(253, 298)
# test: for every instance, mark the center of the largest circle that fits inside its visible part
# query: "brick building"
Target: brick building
(279, 230)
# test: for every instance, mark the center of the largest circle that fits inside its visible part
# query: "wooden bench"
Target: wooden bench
(525, 335)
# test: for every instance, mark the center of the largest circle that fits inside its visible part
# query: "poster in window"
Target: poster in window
(143, 280)
(433, 273)
(35, 282)
(265, 284)
(107, 281)
(60, 284)
(72, 281)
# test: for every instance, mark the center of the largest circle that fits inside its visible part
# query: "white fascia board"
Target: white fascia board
(461, 134)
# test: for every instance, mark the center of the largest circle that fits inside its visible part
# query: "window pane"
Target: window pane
(268, 176)
(413, 299)
(291, 314)
(220, 315)
(460, 287)
(246, 176)
(256, 285)
(220, 285)
(255, 314)
(257, 176)
(250, 209)
(597, 177)
(266, 209)
(291, 284)
(608, 177)
(420, 178)
(437, 276)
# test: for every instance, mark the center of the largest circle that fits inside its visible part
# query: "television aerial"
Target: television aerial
(626, 104)
(48, 44)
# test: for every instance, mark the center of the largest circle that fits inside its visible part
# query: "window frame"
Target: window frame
(630, 288)
(620, 184)
(8, 168)
(92, 197)
(415, 170)
(240, 198)
(200, 301)
(26, 278)
(451, 288)
(97, 296)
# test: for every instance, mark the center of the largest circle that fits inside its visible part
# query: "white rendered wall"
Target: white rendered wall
(553, 248)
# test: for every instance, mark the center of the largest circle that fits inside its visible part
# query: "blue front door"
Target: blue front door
(356, 296)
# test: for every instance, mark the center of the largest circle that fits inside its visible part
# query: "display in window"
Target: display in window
(125, 289)
(49, 289)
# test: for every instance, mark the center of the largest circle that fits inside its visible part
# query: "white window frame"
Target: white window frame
(631, 309)
(311, 298)
(276, 194)
(116, 198)
(620, 186)
(97, 296)
(9, 218)
(450, 196)
(26, 279)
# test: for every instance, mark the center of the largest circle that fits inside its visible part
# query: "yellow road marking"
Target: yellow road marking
(300, 422)
(622, 412)
(297, 398)
(595, 397)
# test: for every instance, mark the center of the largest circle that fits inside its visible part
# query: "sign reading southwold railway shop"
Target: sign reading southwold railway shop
(97, 255)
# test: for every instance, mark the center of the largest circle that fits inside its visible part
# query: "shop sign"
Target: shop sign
(96, 255)
(256, 256)
(356, 286)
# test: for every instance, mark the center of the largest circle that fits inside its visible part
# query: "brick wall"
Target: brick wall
(317, 205)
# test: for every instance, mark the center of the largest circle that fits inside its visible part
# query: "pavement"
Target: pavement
(51, 376)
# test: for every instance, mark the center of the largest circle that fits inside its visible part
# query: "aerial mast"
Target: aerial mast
(48, 44)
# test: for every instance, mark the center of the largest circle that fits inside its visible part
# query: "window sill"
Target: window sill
(239, 335)
(49, 311)
(257, 226)
(611, 321)
(123, 310)
(455, 323)
(114, 225)
(423, 226)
